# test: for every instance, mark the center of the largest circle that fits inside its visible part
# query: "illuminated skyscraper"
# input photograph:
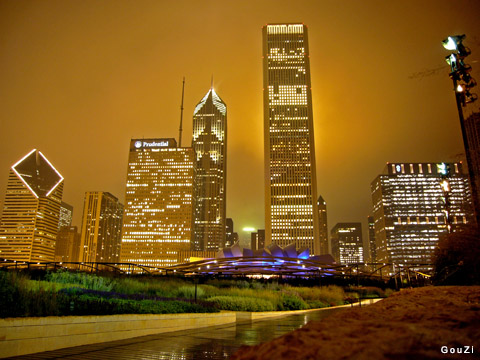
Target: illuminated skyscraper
(415, 203)
(157, 219)
(322, 225)
(29, 224)
(347, 243)
(291, 214)
(101, 227)
(210, 147)
(371, 239)
(66, 215)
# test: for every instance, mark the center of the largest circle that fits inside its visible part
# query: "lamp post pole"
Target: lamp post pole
(460, 72)
(459, 97)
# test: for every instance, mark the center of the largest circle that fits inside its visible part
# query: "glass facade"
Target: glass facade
(347, 243)
(29, 224)
(210, 147)
(157, 218)
(291, 214)
(415, 203)
(101, 227)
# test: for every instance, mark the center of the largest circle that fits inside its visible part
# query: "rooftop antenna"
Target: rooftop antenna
(181, 116)
(211, 85)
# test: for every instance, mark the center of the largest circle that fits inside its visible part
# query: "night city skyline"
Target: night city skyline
(80, 80)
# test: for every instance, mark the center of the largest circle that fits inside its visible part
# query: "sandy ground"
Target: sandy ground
(412, 324)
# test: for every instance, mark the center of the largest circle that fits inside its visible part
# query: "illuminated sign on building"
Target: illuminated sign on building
(152, 144)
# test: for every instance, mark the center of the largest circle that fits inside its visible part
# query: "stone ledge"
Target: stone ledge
(252, 316)
(21, 336)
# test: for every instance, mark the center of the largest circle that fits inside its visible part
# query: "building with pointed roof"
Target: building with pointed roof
(29, 224)
(209, 196)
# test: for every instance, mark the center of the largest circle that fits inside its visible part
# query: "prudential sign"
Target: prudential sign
(150, 144)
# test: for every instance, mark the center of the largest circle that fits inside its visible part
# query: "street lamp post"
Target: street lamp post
(462, 83)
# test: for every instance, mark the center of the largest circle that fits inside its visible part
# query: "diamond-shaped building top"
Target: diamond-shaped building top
(37, 173)
(211, 98)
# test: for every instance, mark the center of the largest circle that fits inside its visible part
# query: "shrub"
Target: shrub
(456, 257)
(11, 304)
(241, 303)
(89, 281)
(90, 305)
(291, 301)
(368, 292)
(160, 287)
(316, 304)
(188, 292)
(331, 294)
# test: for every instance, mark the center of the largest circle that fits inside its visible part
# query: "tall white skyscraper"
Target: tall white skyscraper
(209, 198)
(291, 214)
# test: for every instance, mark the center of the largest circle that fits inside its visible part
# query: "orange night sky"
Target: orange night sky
(79, 79)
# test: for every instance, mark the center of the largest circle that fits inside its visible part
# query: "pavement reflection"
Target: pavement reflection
(216, 342)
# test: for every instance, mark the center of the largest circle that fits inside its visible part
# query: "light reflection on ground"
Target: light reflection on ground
(216, 342)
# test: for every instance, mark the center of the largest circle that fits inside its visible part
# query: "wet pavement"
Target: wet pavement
(215, 342)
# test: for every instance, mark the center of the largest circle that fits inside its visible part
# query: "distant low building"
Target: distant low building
(67, 248)
(258, 239)
(231, 235)
(347, 243)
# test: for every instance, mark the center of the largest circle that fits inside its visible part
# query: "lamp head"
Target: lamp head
(452, 42)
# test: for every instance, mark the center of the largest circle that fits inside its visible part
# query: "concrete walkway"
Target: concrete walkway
(216, 342)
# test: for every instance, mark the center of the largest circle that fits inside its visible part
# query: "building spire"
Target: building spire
(211, 85)
(181, 116)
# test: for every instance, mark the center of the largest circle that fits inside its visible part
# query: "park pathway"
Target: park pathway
(216, 342)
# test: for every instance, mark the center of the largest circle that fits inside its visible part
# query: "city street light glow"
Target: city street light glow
(248, 229)
(449, 43)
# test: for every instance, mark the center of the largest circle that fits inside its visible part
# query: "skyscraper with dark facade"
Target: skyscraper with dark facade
(231, 235)
(413, 205)
(323, 225)
(472, 147)
(371, 239)
(101, 233)
(257, 239)
(29, 224)
(209, 197)
(157, 219)
(347, 243)
(67, 247)
(291, 214)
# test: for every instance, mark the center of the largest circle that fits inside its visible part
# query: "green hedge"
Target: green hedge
(89, 305)
(242, 303)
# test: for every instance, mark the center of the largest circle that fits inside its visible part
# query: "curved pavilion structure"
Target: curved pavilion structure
(272, 260)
